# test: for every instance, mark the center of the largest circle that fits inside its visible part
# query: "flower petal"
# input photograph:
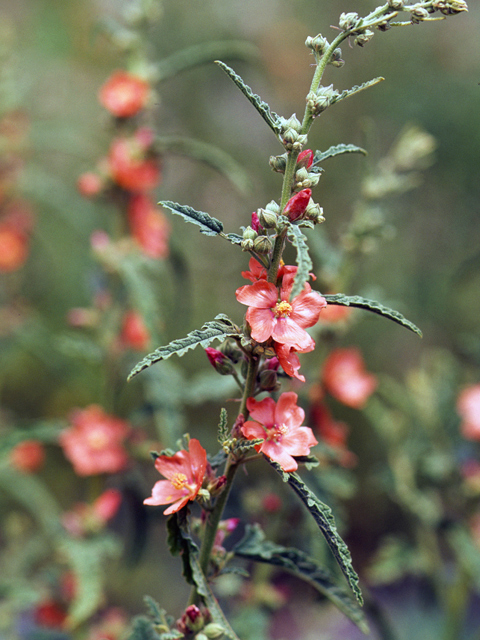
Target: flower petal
(277, 453)
(261, 294)
(262, 322)
(306, 308)
(263, 411)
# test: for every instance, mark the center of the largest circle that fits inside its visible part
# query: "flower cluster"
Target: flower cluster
(131, 169)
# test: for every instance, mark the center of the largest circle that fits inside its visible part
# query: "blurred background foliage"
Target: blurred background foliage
(421, 256)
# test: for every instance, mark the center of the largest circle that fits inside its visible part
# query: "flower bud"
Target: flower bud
(450, 7)
(293, 123)
(348, 21)
(268, 219)
(231, 351)
(268, 380)
(256, 224)
(318, 44)
(396, 5)
(214, 631)
(249, 233)
(321, 100)
(314, 212)
(192, 619)
(278, 163)
(262, 245)
(296, 206)
(219, 361)
(364, 37)
(305, 159)
(336, 60)
(418, 14)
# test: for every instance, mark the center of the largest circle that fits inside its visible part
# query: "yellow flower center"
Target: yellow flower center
(98, 439)
(282, 309)
(276, 431)
(179, 480)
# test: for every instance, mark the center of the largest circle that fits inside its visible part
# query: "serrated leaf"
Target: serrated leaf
(211, 330)
(323, 516)
(222, 426)
(142, 629)
(374, 306)
(303, 260)
(209, 225)
(356, 89)
(270, 117)
(234, 238)
(190, 550)
(208, 154)
(254, 546)
(336, 150)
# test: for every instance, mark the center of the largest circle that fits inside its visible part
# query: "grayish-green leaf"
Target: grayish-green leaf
(356, 89)
(336, 150)
(203, 53)
(209, 225)
(211, 330)
(270, 117)
(323, 516)
(374, 306)
(254, 546)
(304, 261)
(223, 426)
(234, 238)
(210, 155)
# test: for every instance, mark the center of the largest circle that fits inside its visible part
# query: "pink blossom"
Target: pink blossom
(297, 205)
(28, 456)
(124, 94)
(271, 314)
(279, 425)
(305, 158)
(148, 225)
(346, 379)
(94, 442)
(185, 472)
(468, 407)
(134, 333)
(287, 356)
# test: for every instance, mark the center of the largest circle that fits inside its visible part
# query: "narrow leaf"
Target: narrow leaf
(323, 516)
(304, 261)
(270, 117)
(371, 305)
(223, 426)
(212, 330)
(209, 225)
(337, 150)
(234, 238)
(254, 546)
(356, 89)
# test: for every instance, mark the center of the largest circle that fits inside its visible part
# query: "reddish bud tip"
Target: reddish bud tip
(297, 205)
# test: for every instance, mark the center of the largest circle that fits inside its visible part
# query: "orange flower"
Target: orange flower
(124, 94)
(185, 472)
(148, 226)
(94, 442)
(28, 456)
(468, 407)
(279, 424)
(13, 248)
(346, 379)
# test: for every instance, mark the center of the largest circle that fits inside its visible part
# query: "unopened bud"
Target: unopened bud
(214, 631)
(364, 37)
(314, 212)
(219, 361)
(296, 206)
(268, 380)
(256, 224)
(193, 618)
(267, 219)
(318, 44)
(305, 159)
(293, 123)
(418, 14)
(450, 7)
(348, 21)
(336, 60)
(262, 245)
(278, 163)
(321, 100)
(231, 350)
(396, 5)
(273, 206)
(249, 233)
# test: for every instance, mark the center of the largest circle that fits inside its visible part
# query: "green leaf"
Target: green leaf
(209, 225)
(323, 516)
(210, 155)
(223, 426)
(336, 150)
(304, 261)
(253, 546)
(234, 238)
(372, 305)
(211, 330)
(270, 117)
(142, 629)
(356, 89)
(205, 52)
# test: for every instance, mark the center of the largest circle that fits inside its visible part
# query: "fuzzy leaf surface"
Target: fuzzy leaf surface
(212, 330)
(209, 225)
(254, 546)
(323, 516)
(336, 150)
(270, 117)
(356, 89)
(374, 306)
(303, 260)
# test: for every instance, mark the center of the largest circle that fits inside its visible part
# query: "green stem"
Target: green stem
(215, 516)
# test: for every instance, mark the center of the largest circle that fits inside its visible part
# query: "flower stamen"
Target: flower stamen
(282, 309)
(179, 480)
